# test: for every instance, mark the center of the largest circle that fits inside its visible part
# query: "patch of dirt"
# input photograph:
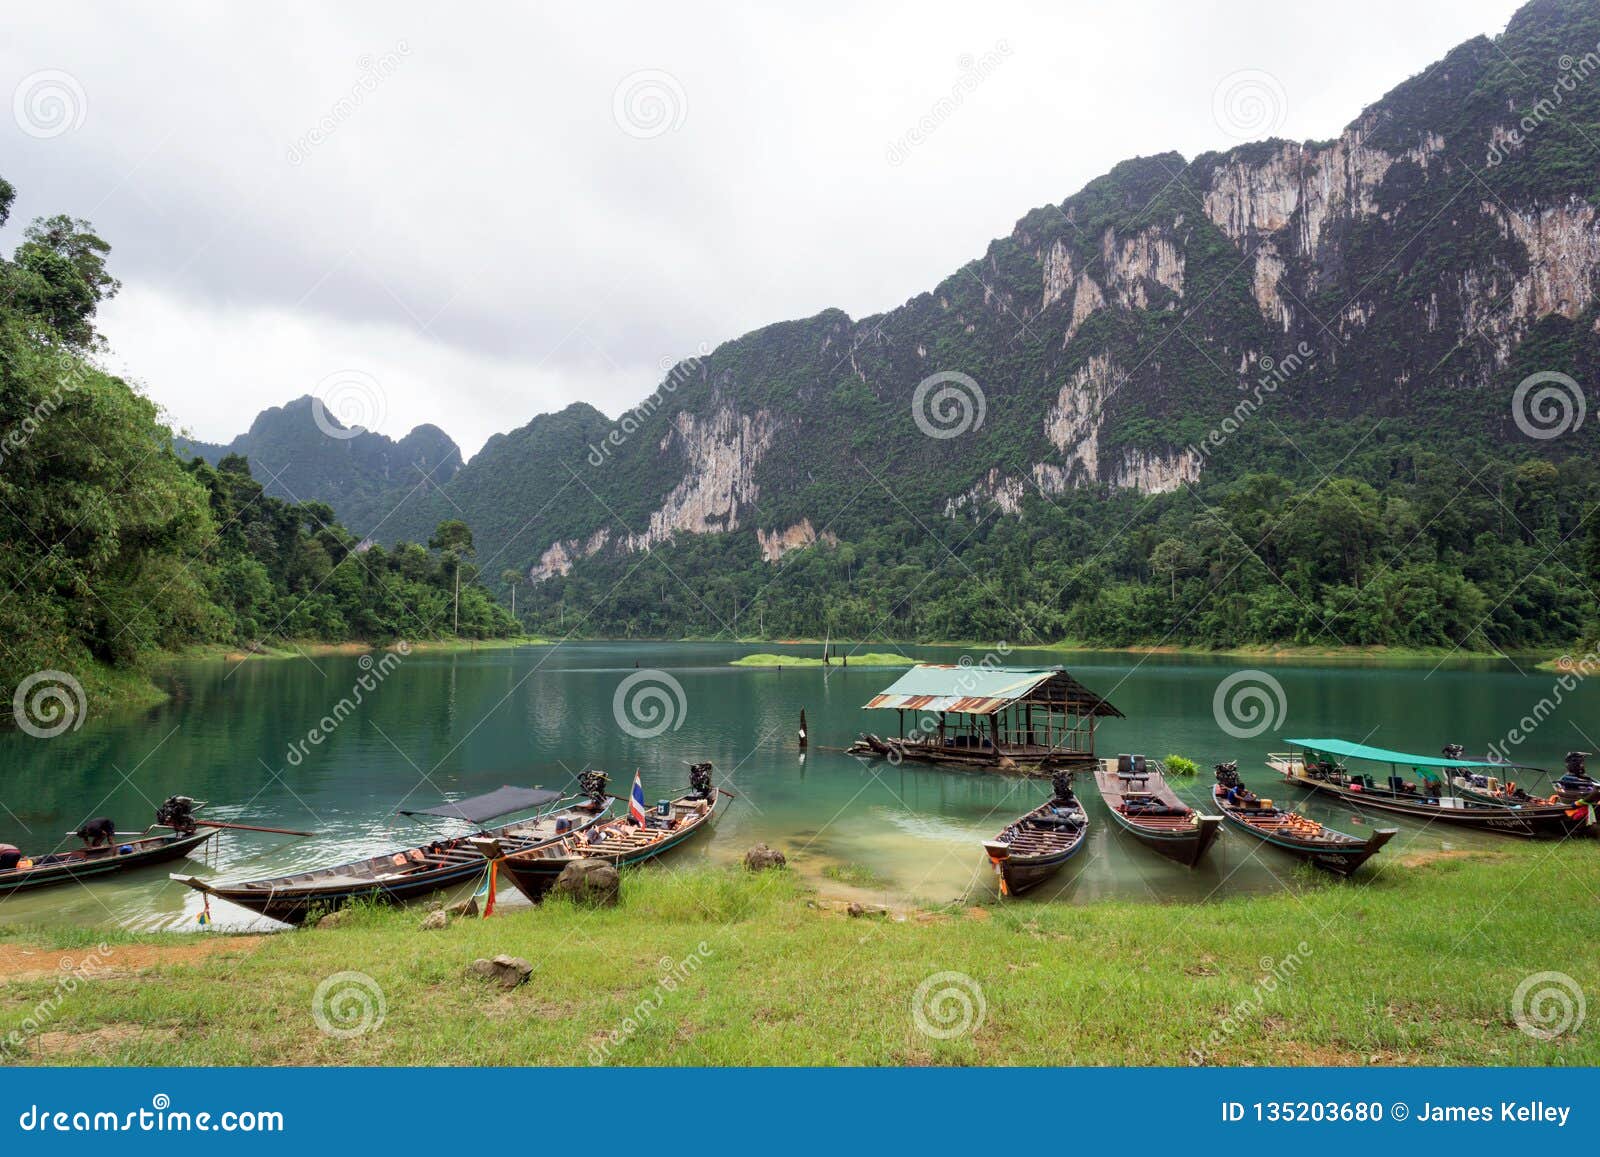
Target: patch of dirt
(30, 962)
(102, 1042)
(1423, 859)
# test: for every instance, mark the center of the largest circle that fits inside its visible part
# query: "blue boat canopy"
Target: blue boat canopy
(499, 802)
(1384, 755)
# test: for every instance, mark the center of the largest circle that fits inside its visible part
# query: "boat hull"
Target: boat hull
(295, 899)
(95, 862)
(1549, 821)
(534, 874)
(1186, 847)
(1342, 857)
(1031, 850)
(1020, 873)
(1185, 841)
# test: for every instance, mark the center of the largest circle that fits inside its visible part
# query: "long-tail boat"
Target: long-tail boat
(631, 839)
(1325, 847)
(1033, 848)
(1429, 797)
(1575, 786)
(1141, 801)
(122, 851)
(409, 873)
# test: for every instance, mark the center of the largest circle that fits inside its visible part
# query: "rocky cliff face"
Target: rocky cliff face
(1410, 270)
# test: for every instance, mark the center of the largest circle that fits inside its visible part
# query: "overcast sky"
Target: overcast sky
(476, 214)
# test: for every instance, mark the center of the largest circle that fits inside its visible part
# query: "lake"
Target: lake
(437, 725)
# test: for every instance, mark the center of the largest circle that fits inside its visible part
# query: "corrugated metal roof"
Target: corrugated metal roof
(976, 690)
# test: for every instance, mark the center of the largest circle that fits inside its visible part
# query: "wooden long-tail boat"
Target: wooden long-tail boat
(1035, 846)
(631, 839)
(124, 854)
(1428, 798)
(122, 851)
(409, 873)
(1325, 847)
(1141, 801)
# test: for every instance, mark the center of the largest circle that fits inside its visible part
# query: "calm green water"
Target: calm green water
(441, 725)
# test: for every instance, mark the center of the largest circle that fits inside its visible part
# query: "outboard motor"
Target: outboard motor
(1453, 751)
(593, 785)
(1576, 783)
(1228, 774)
(1061, 784)
(177, 813)
(700, 781)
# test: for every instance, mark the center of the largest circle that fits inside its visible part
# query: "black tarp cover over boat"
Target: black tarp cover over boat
(481, 808)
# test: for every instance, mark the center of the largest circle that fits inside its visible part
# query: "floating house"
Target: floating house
(1011, 718)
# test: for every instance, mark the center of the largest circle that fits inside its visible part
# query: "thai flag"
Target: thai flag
(636, 801)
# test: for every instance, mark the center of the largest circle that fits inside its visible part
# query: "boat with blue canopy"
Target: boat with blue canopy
(1427, 793)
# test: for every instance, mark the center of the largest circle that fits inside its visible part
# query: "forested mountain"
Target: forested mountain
(113, 547)
(1289, 392)
(372, 475)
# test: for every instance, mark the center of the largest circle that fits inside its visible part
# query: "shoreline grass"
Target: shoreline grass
(1415, 963)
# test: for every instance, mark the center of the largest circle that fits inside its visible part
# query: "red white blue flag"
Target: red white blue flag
(636, 801)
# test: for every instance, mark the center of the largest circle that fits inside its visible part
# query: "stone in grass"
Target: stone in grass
(760, 858)
(506, 971)
(334, 919)
(435, 920)
(589, 882)
(464, 908)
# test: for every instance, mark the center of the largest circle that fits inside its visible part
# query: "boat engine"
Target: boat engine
(1228, 774)
(700, 780)
(1061, 783)
(593, 785)
(177, 813)
(1453, 751)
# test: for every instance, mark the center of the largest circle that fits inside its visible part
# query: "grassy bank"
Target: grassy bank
(1416, 963)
